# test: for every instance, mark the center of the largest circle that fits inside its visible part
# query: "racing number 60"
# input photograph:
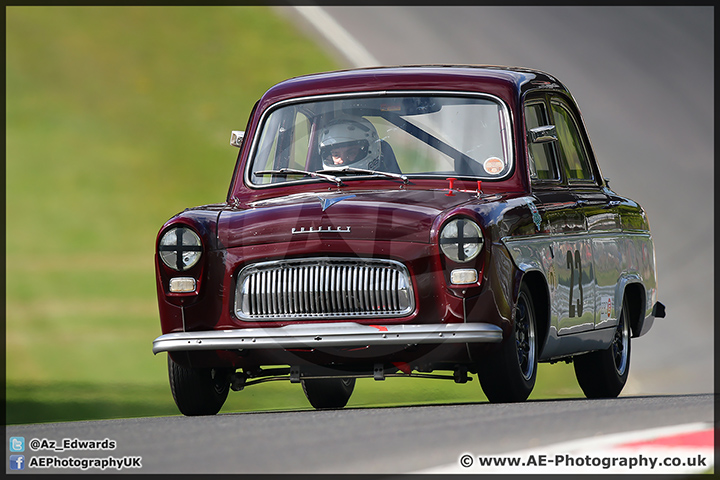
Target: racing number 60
(573, 265)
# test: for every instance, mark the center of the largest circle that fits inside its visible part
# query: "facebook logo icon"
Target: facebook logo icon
(17, 462)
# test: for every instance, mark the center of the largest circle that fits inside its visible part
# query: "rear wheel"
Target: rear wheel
(198, 391)
(603, 374)
(328, 392)
(509, 374)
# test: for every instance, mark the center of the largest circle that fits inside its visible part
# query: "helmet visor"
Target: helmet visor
(345, 153)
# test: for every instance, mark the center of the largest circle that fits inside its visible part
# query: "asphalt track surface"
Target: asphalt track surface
(643, 77)
(372, 440)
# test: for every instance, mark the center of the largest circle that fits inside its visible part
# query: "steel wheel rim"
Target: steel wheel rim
(217, 379)
(620, 346)
(525, 338)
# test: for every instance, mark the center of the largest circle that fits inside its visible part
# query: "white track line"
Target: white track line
(338, 36)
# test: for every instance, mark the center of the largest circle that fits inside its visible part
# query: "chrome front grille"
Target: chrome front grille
(323, 287)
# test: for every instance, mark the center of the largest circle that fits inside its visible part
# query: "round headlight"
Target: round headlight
(180, 248)
(461, 240)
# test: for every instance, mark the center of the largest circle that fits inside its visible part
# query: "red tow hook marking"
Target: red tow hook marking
(450, 188)
(403, 367)
(379, 327)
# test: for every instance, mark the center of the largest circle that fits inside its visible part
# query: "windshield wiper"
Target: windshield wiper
(287, 171)
(370, 172)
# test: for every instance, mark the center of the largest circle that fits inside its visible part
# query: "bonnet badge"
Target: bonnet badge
(320, 230)
(329, 202)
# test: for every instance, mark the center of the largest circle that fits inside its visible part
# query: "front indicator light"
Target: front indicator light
(461, 240)
(180, 248)
(463, 276)
(182, 285)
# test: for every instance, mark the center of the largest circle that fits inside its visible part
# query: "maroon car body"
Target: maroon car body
(485, 242)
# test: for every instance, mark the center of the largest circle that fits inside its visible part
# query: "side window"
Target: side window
(543, 163)
(284, 143)
(572, 150)
(301, 141)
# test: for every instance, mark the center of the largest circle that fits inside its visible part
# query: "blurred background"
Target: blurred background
(119, 117)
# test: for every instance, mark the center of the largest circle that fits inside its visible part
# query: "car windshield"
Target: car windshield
(338, 139)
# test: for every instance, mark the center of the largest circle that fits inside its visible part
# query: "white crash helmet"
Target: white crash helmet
(348, 132)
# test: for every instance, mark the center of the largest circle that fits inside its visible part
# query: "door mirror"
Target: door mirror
(236, 138)
(544, 134)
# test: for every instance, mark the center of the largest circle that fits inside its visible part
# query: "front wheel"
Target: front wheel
(509, 374)
(198, 391)
(328, 392)
(603, 374)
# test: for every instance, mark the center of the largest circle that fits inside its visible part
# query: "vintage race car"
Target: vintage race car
(400, 221)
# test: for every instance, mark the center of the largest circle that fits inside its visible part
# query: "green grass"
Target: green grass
(116, 119)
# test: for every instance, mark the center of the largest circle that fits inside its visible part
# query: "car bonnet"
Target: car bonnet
(400, 215)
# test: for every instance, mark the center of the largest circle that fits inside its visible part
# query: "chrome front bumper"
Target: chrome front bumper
(341, 334)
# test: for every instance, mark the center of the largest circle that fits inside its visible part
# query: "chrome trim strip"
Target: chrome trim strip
(341, 334)
(574, 235)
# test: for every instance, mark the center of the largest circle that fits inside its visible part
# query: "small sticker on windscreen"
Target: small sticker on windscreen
(493, 165)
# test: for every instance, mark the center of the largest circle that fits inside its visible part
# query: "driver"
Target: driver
(350, 142)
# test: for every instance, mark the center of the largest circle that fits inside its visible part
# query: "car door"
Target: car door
(594, 262)
(571, 275)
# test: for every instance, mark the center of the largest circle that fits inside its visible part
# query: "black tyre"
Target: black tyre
(509, 374)
(603, 374)
(198, 391)
(328, 392)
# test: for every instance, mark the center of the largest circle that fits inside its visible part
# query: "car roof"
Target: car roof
(507, 82)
